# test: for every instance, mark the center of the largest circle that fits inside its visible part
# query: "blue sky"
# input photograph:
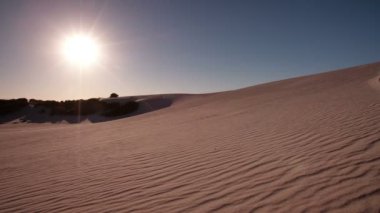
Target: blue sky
(193, 46)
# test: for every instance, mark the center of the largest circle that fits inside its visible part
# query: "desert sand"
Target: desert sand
(307, 144)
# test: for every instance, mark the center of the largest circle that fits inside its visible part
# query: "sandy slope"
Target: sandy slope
(304, 144)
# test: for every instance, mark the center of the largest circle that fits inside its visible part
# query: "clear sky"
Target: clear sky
(182, 46)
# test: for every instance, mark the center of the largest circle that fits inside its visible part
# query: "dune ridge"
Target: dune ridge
(305, 144)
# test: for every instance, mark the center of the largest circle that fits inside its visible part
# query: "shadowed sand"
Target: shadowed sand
(304, 144)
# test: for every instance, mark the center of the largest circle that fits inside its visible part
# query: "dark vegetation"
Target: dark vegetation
(74, 111)
(70, 107)
(114, 95)
(12, 105)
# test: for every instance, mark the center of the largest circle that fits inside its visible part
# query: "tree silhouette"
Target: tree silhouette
(114, 95)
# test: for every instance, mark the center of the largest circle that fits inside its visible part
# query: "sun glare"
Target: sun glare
(81, 50)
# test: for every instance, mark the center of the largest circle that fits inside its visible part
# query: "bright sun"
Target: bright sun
(81, 50)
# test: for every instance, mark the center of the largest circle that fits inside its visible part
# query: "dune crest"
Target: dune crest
(305, 144)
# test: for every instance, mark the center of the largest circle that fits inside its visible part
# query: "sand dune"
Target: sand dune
(307, 144)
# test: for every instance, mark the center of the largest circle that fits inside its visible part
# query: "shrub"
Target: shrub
(12, 105)
(114, 95)
(70, 107)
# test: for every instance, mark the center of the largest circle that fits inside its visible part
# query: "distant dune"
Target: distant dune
(307, 144)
